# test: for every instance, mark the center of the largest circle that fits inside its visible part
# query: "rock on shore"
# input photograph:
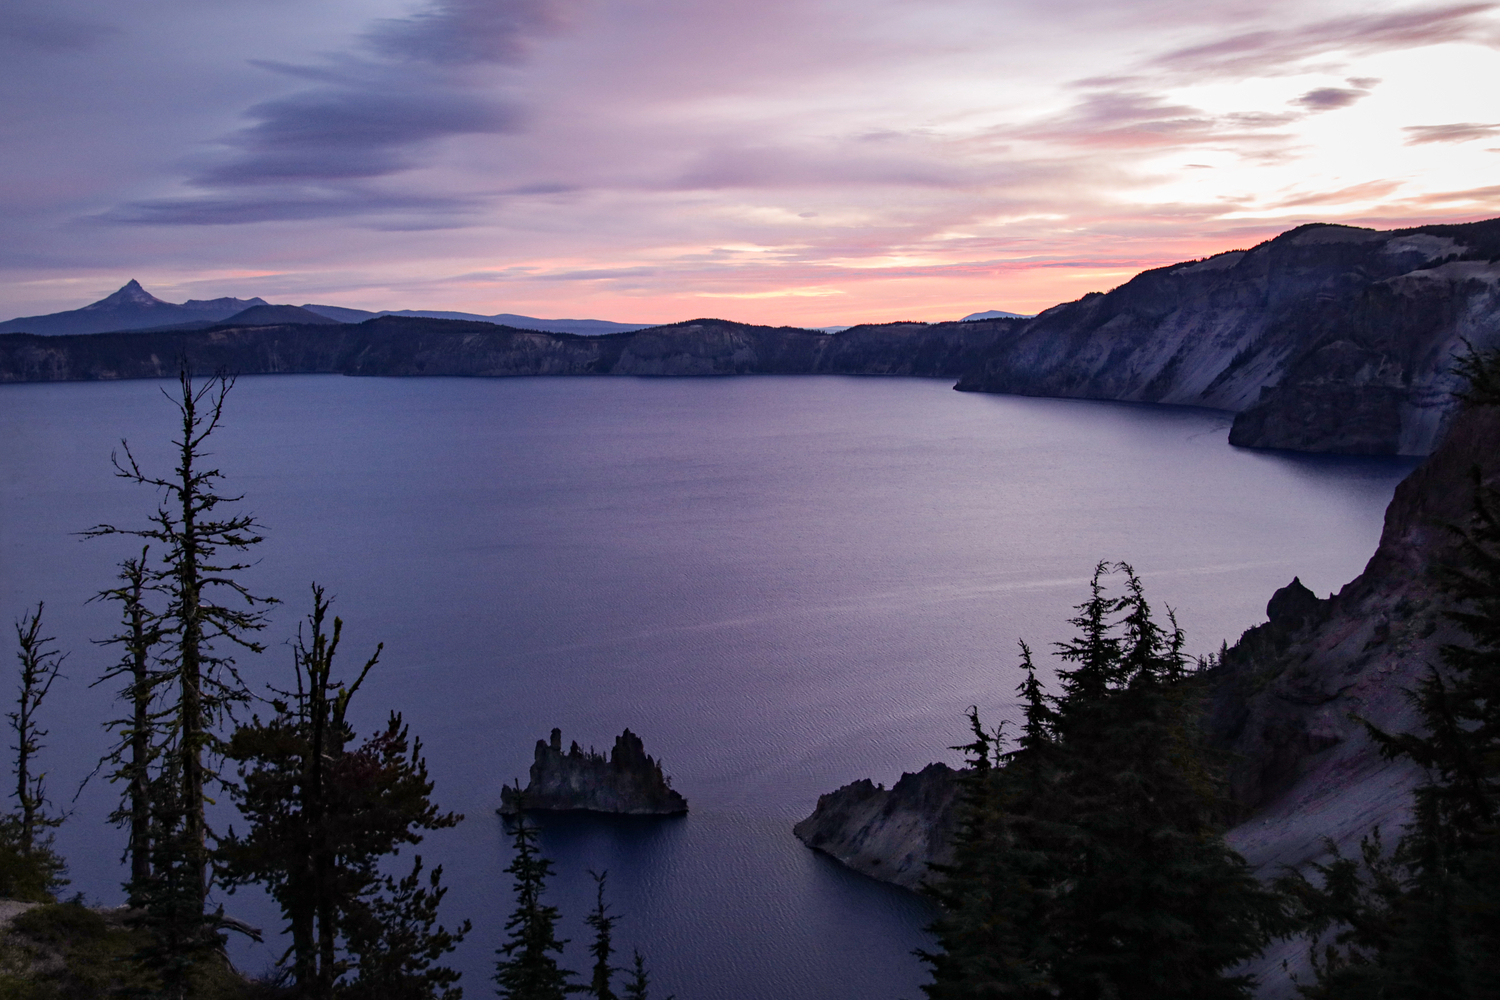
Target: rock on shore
(628, 782)
(890, 834)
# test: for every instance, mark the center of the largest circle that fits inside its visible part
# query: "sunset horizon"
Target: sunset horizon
(803, 163)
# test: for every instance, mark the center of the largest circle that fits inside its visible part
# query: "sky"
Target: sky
(809, 162)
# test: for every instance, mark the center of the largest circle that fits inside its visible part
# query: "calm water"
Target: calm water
(783, 584)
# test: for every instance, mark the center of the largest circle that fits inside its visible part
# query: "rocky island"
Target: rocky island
(628, 782)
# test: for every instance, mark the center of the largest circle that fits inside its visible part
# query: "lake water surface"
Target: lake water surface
(782, 584)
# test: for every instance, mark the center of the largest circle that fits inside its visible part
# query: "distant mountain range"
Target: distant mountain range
(131, 308)
(1325, 339)
(994, 314)
(134, 308)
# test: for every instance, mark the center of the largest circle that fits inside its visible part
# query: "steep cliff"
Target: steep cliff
(890, 834)
(628, 781)
(1326, 338)
(1283, 697)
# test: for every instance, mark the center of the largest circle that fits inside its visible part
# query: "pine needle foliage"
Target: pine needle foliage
(29, 867)
(1089, 862)
(323, 811)
(602, 923)
(528, 968)
(131, 759)
(638, 987)
(395, 942)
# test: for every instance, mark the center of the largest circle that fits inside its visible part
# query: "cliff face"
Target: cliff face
(1326, 338)
(889, 834)
(627, 782)
(1284, 693)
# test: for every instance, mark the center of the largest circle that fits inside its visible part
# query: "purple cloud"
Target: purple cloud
(466, 32)
(333, 134)
(1329, 98)
(1131, 120)
(442, 212)
(367, 116)
(1416, 135)
(1266, 52)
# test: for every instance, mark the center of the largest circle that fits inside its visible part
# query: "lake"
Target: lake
(782, 584)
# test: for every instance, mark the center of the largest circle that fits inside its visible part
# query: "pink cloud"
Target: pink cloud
(1267, 52)
(1457, 132)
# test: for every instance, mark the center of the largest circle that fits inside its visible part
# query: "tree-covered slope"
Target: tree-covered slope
(392, 345)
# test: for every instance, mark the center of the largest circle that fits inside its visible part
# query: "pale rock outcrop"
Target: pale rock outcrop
(891, 834)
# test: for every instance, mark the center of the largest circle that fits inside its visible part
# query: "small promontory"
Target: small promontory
(890, 834)
(627, 782)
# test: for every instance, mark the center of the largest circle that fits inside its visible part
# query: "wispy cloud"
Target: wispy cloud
(370, 114)
(551, 156)
(1133, 120)
(1416, 135)
(469, 32)
(1266, 52)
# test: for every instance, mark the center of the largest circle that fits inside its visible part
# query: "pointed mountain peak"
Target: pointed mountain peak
(130, 294)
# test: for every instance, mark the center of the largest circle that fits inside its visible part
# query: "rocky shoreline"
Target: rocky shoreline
(892, 834)
(1280, 704)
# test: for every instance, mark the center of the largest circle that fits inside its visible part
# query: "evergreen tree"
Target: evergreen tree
(603, 926)
(987, 949)
(394, 941)
(29, 868)
(1089, 861)
(322, 814)
(134, 755)
(180, 941)
(528, 968)
(39, 669)
(639, 986)
(208, 613)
